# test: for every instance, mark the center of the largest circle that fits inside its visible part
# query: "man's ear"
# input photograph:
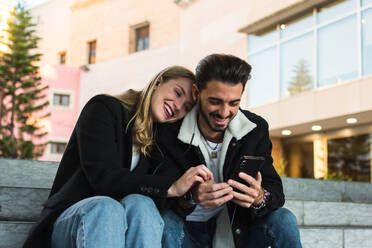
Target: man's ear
(195, 93)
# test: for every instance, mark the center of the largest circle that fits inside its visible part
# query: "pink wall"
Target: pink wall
(63, 80)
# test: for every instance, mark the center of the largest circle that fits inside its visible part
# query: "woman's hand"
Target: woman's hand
(198, 174)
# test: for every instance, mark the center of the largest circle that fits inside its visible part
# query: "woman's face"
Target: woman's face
(171, 100)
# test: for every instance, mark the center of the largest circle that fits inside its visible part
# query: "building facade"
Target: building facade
(6, 13)
(312, 65)
(63, 94)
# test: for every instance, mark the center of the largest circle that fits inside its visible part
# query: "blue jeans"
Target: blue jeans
(279, 229)
(101, 222)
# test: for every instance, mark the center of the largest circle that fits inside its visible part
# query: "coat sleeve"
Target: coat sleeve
(101, 156)
(270, 179)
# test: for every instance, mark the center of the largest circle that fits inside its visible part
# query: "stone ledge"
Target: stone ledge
(335, 238)
(13, 234)
(311, 213)
(21, 204)
(27, 173)
(327, 191)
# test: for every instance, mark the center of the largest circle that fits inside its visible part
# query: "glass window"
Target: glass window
(299, 25)
(296, 65)
(367, 41)
(335, 10)
(142, 38)
(263, 86)
(366, 2)
(92, 45)
(299, 159)
(350, 158)
(61, 100)
(57, 147)
(337, 52)
(256, 42)
(62, 58)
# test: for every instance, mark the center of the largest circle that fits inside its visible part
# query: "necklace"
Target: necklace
(214, 149)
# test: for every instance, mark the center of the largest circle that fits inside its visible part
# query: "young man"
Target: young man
(224, 212)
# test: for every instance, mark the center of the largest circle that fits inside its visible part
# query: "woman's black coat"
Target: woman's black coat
(96, 162)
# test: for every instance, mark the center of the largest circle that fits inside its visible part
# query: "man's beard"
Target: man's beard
(207, 120)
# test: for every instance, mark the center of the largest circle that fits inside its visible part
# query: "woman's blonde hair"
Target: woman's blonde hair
(139, 102)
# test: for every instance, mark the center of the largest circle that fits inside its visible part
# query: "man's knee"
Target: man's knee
(284, 223)
(285, 217)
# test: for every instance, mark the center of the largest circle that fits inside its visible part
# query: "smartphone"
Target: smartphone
(250, 165)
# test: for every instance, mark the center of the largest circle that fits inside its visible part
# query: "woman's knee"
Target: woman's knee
(139, 202)
(141, 207)
(103, 206)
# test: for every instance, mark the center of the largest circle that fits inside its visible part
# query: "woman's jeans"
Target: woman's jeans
(102, 222)
(278, 229)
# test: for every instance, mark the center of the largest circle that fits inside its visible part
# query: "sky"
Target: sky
(28, 3)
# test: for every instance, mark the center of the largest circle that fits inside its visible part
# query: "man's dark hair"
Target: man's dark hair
(222, 67)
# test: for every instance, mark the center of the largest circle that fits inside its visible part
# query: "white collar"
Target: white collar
(189, 132)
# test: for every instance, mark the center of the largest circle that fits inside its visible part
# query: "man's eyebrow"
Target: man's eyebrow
(215, 98)
(219, 99)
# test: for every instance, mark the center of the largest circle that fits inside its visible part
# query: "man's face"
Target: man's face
(218, 103)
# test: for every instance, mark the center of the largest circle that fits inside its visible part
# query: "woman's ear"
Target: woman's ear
(158, 82)
(195, 93)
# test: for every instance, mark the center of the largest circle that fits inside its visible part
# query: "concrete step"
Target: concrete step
(325, 190)
(21, 204)
(13, 234)
(40, 174)
(321, 237)
(331, 214)
(27, 173)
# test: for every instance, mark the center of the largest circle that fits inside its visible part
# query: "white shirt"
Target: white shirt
(135, 157)
(203, 214)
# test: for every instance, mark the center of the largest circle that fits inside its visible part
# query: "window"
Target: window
(296, 65)
(337, 57)
(142, 38)
(320, 48)
(92, 46)
(335, 10)
(139, 37)
(367, 41)
(57, 147)
(61, 100)
(263, 78)
(62, 58)
(366, 2)
(350, 158)
(297, 26)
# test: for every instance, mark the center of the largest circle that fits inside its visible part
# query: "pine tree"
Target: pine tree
(22, 97)
(302, 80)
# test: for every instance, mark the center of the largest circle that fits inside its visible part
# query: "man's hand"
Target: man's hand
(210, 194)
(249, 195)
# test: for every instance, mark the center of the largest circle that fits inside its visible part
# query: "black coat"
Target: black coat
(181, 156)
(96, 162)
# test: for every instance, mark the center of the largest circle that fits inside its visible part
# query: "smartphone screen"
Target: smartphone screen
(250, 165)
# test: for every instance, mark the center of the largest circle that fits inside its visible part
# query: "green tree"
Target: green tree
(22, 94)
(302, 80)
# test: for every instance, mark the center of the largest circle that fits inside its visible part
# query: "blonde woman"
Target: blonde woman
(95, 200)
